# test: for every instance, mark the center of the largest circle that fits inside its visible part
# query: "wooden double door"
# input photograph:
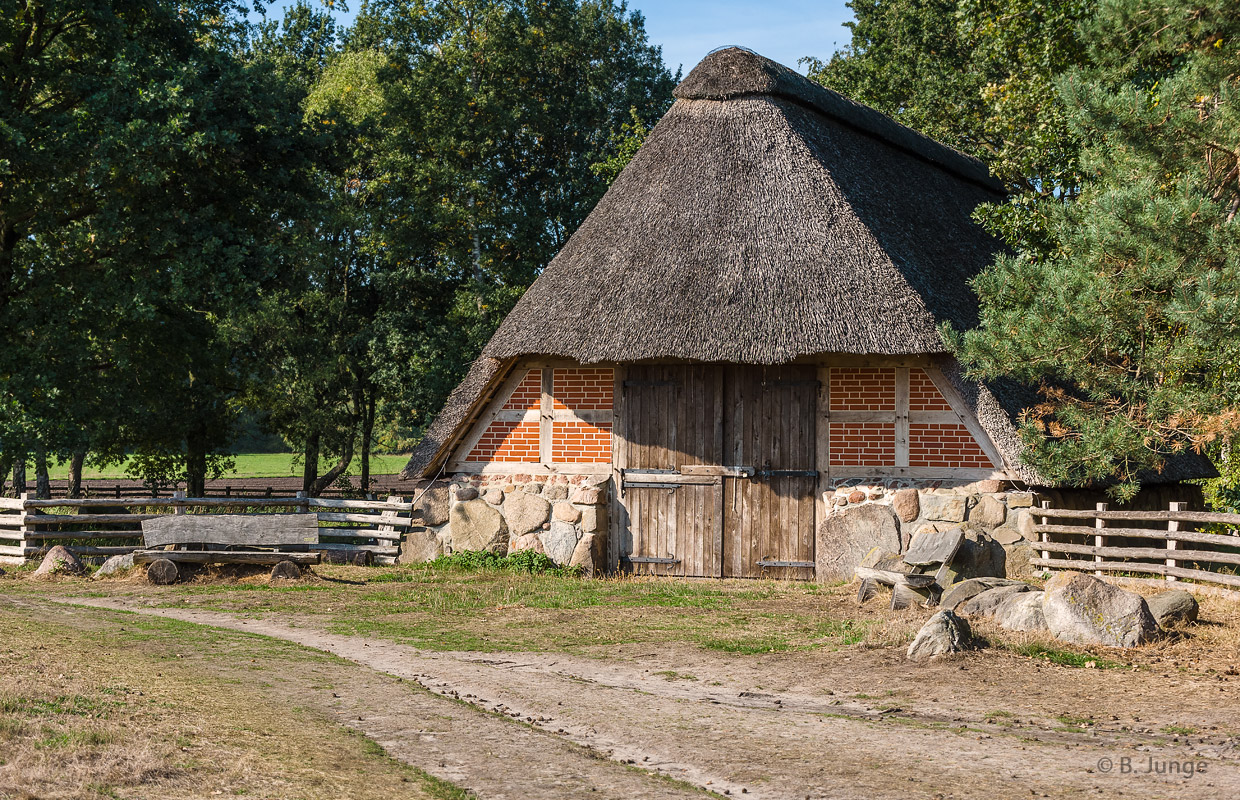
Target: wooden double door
(717, 468)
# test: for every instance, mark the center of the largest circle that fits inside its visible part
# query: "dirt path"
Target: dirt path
(493, 757)
(738, 736)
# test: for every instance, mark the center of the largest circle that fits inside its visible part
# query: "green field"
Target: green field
(249, 465)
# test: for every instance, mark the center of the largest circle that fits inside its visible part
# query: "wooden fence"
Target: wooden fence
(98, 526)
(1165, 543)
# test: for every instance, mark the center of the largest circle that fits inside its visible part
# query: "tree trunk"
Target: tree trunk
(310, 468)
(336, 471)
(19, 475)
(368, 428)
(42, 482)
(195, 467)
(75, 473)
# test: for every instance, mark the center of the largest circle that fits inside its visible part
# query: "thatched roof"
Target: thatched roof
(764, 219)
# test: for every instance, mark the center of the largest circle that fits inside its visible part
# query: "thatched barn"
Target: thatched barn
(740, 340)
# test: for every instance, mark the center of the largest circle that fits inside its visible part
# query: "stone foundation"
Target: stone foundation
(561, 516)
(989, 509)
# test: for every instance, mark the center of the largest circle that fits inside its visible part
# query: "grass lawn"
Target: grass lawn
(249, 465)
(493, 609)
(163, 709)
(437, 607)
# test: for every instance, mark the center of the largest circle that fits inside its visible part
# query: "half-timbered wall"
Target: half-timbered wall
(886, 417)
(546, 415)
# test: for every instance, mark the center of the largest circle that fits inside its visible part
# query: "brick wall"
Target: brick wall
(923, 395)
(583, 388)
(572, 442)
(580, 443)
(509, 442)
(863, 389)
(868, 444)
(528, 394)
(943, 445)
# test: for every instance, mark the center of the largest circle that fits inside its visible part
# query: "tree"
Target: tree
(147, 175)
(497, 111)
(978, 75)
(1128, 319)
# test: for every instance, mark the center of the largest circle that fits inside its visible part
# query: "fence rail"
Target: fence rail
(1103, 547)
(95, 526)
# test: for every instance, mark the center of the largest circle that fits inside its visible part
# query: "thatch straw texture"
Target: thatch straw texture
(783, 221)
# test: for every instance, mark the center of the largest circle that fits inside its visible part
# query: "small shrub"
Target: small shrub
(527, 561)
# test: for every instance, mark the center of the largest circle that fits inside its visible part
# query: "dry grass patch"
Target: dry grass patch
(150, 708)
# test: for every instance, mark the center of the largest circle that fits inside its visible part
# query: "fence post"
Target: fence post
(1046, 537)
(24, 542)
(178, 508)
(302, 506)
(1099, 539)
(400, 536)
(1173, 526)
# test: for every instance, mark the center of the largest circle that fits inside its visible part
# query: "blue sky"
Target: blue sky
(784, 30)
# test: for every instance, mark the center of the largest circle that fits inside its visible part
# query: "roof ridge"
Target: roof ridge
(735, 72)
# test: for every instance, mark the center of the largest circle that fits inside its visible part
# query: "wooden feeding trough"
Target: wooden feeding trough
(266, 539)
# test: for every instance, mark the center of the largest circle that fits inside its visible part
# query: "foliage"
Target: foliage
(626, 142)
(203, 218)
(144, 169)
(527, 561)
(1128, 320)
(975, 74)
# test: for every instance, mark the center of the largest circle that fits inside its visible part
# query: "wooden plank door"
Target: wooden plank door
(769, 427)
(671, 419)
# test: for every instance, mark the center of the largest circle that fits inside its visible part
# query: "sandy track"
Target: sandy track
(716, 734)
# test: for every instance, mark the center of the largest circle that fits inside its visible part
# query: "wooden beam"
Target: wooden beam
(843, 360)
(1099, 552)
(822, 449)
(546, 418)
(618, 514)
(902, 421)
(515, 468)
(1136, 566)
(223, 557)
(923, 473)
(262, 530)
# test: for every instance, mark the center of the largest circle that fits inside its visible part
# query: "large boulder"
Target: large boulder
(589, 555)
(847, 534)
(942, 634)
(420, 546)
(560, 542)
(60, 561)
(526, 513)
(942, 507)
(1176, 607)
(527, 541)
(433, 504)
(477, 526)
(1017, 558)
(1085, 610)
(906, 504)
(114, 565)
(957, 593)
(986, 602)
(1021, 611)
(979, 556)
(989, 513)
